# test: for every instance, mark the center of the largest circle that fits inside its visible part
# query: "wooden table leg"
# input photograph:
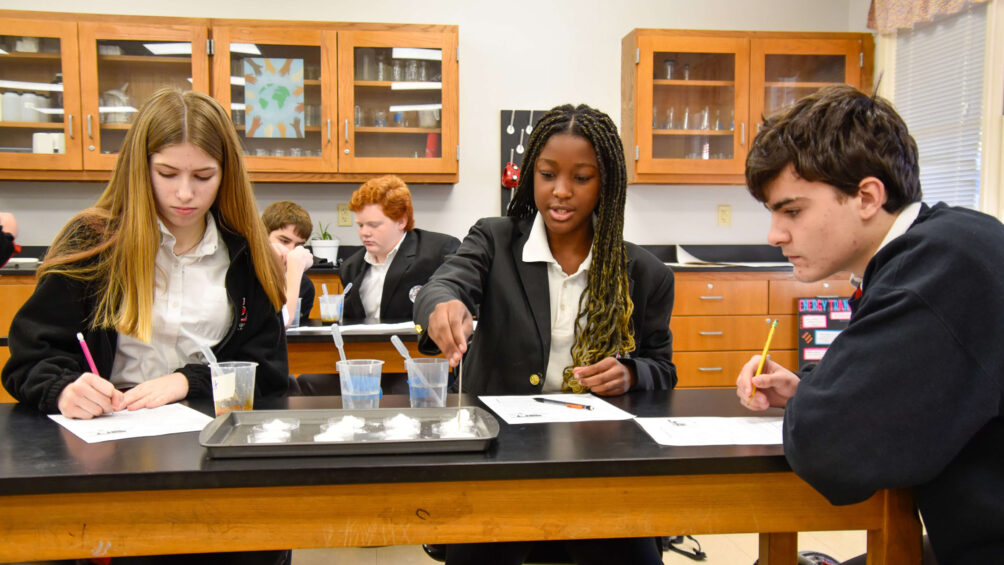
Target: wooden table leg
(900, 539)
(779, 549)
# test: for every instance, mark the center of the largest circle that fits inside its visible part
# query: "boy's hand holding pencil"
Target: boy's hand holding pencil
(763, 383)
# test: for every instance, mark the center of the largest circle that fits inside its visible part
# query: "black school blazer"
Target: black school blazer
(420, 254)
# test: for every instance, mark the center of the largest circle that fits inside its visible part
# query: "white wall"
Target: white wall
(519, 54)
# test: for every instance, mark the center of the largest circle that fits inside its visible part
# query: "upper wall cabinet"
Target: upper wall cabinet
(692, 101)
(39, 96)
(280, 85)
(311, 101)
(121, 65)
(397, 102)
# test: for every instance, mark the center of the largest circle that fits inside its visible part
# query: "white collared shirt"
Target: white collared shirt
(564, 292)
(190, 299)
(906, 217)
(371, 289)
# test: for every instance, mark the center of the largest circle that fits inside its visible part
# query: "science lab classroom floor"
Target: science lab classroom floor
(724, 549)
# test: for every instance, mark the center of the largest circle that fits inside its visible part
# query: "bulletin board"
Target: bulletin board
(820, 321)
(514, 141)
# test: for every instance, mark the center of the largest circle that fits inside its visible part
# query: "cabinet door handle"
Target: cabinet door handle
(742, 134)
(709, 369)
(712, 297)
(346, 131)
(329, 130)
(90, 131)
(710, 333)
(71, 126)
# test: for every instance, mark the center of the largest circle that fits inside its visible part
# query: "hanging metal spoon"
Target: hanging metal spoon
(519, 148)
(529, 126)
(511, 130)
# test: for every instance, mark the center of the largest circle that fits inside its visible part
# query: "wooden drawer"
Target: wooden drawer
(722, 333)
(784, 294)
(720, 368)
(709, 298)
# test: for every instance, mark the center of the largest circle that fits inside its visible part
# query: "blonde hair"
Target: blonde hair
(112, 246)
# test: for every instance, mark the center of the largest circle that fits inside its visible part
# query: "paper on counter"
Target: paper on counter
(169, 419)
(356, 329)
(714, 430)
(523, 409)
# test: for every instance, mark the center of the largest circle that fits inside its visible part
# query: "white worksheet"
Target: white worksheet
(169, 419)
(713, 430)
(524, 409)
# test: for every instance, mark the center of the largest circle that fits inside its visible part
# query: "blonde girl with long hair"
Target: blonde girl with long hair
(172, 256)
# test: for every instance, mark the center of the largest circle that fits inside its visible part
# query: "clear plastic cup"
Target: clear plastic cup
(360, 382)
(233, 386)
(427, 380)
(331, 307)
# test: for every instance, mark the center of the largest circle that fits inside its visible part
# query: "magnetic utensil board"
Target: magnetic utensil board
(520, 119)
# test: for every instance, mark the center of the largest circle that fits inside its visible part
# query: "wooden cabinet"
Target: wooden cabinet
(692, 101)
(357, 99)
(40, 92)
(121, 65)
(397, 101)
(721, 319)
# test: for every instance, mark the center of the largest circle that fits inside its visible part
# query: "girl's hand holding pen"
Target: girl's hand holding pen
(774, 386)
(450, 326)
(89, 396)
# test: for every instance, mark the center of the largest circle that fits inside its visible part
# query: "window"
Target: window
(939, 92)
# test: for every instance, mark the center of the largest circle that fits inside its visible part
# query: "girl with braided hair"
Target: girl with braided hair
(563, 302)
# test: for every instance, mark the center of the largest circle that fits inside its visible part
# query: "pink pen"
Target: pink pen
(87, 353)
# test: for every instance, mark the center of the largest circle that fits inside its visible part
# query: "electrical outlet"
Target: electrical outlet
(724, 215)
(344, 215)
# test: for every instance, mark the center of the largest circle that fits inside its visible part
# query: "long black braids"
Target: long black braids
(605, 330)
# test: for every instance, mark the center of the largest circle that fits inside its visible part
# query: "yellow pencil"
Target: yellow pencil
(763, 356)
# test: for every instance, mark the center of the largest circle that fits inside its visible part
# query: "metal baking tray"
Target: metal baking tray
(233, 434)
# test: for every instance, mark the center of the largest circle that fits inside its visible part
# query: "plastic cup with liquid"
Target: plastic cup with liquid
(331, 307)
(233, 386)
(360, 383)
(427, 379)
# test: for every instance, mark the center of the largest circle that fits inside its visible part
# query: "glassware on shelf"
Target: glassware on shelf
(686, 71)
(296, 152)
(382, 67)
(411, 70)
(380, 118)
(670, 122)
(669, 64)
(717, 122)
(358, 121)
(278, 152)
(704, 123)
(397, 70)
(423, 71)
(685, 119)
(365, 63)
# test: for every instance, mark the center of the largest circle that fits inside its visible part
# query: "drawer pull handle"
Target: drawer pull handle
(709, 369)
(710, 333)
(712, 297)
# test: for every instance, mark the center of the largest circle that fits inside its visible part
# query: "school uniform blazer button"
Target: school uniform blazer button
(535, 379)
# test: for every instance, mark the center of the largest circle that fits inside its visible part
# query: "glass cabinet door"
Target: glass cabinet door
(39, 96)
(692, 112)
(121, 66)
(397, 102)
(277, 84)
(784, 70)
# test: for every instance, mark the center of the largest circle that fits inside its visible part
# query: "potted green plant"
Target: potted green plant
(324, 245)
